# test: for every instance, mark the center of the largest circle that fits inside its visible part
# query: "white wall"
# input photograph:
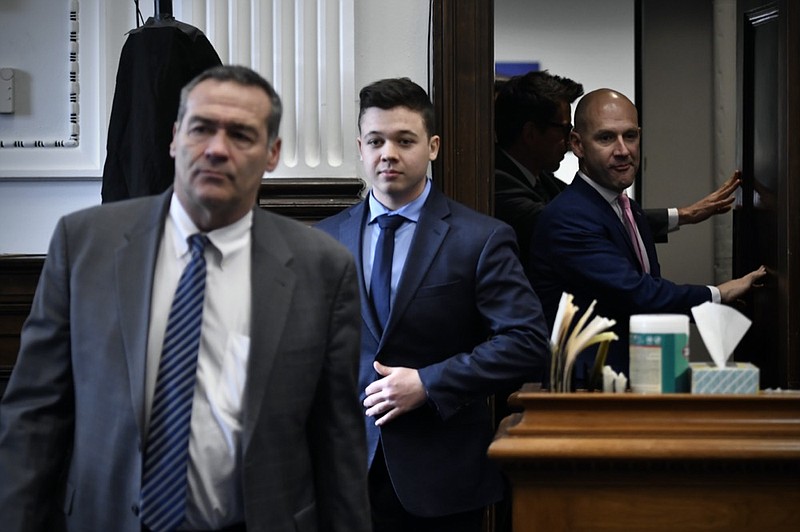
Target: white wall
(678, 113)
(391, 40)
(29, 208)
(588, 41)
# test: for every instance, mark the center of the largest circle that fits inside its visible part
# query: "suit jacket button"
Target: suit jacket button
(135, 510)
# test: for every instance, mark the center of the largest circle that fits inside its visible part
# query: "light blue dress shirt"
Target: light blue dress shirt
(402, 237)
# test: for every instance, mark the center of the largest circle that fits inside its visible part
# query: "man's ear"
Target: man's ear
(576, 143)
(433, 146)
(274, 155)
(530, 133)
(172, 142)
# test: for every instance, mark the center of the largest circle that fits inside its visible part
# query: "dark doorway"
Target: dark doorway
(766, 217)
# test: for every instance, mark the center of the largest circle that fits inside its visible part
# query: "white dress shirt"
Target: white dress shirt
(214, 481)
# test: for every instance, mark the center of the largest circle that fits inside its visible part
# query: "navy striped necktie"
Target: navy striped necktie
(163, 503)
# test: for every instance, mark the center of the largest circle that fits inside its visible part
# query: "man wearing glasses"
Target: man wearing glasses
(532, 127)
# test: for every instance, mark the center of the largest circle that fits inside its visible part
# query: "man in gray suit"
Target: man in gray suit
(276, 439)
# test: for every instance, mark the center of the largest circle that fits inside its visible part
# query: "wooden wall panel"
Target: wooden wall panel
(463, 95)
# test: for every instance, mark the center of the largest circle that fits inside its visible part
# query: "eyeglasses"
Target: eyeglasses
(566, 129)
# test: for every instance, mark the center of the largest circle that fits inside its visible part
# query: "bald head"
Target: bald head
(591, 105)
(606, 139)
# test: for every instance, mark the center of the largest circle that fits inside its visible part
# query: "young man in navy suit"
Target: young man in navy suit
(463, 322)
(583, 246)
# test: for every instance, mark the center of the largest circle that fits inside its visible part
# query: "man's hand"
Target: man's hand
(399, 391)
(735, 288)
(717, 202)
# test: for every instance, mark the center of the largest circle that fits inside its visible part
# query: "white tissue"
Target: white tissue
(609, 375)
(620, 383)
(722, 328)
(613, 381)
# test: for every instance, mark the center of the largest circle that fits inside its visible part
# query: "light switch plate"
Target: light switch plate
(6, 90)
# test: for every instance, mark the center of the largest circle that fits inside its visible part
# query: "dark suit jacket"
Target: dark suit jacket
(518, 203)
(465, 316)
(71, 420)
(581, 247)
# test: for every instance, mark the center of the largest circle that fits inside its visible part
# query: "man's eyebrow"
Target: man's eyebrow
(392, 134)
(198, 118)
(237, 126)
(615, 131)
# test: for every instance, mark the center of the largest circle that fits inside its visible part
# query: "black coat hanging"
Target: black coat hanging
(157, 60)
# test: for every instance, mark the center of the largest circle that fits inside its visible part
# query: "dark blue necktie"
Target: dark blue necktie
(163, 503)
(380, 288)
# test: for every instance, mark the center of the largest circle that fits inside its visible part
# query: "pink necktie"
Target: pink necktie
(625, 203)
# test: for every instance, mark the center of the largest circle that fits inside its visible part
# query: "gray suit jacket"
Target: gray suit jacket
(71, 420)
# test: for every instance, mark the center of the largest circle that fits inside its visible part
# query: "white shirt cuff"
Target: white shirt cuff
(715, 295)
(672, 215)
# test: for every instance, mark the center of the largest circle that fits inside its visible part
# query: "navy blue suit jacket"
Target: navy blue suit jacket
(580, 246)
(466, 317)
(518, 203)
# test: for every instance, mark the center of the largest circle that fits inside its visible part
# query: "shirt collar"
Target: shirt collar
(225, 240)
(411, 210)
(609, 195)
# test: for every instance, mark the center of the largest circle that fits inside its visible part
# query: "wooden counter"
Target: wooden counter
(653, 462)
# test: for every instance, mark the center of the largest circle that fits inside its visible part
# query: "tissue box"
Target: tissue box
(735, 378)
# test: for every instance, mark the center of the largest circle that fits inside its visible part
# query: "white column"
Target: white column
(305, 48)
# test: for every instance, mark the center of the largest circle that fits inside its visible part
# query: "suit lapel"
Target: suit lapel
(612, 221)
(549, 186)
(504, 164)
(351, 235)
(273, 285)
(428, 238)
(134, 268)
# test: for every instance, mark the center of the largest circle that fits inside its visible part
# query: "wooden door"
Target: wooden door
(766, 219)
